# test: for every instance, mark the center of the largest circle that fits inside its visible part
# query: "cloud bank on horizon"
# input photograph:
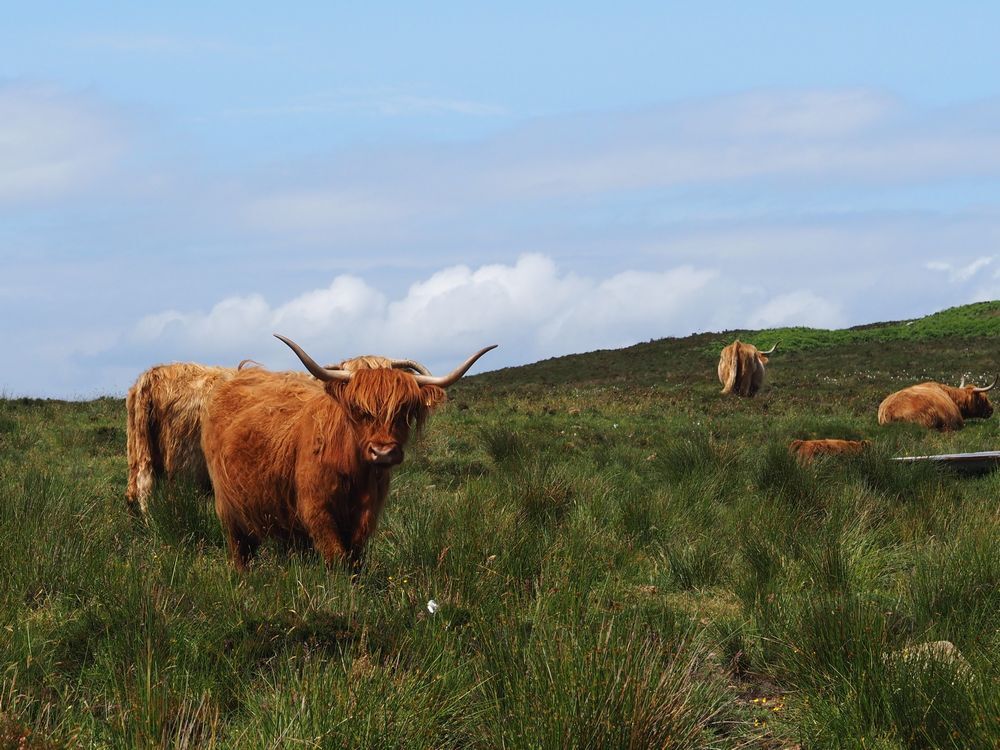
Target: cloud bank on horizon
(147, 215)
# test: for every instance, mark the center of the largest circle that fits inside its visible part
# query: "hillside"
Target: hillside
(967, 328)
(620, 556)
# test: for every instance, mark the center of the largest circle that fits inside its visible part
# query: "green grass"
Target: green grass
(622, 558)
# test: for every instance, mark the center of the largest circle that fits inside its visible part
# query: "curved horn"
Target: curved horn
(771, 350)
(321, 373)
(983, 390)
(962, 383)
(409, 364)
(446, 380)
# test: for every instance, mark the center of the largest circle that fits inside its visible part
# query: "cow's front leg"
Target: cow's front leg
(242, 543)
(356, 557)
(322, 527)
(242, 547)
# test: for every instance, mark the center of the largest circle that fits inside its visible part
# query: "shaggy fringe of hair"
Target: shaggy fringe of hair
(385, 393)
(365, 362)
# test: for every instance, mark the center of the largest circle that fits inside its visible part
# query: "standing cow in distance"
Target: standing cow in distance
(163, 419)
(937, 406)
(308, 460)
(741, 368)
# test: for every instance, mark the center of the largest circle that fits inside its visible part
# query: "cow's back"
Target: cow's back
(926, 404)
(163, 426)
(182, 391)
(807, 450)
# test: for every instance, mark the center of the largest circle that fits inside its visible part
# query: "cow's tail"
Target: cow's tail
(747, 366)
(729, 367)
(140, 435)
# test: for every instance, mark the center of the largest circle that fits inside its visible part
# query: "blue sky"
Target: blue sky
(178, 182)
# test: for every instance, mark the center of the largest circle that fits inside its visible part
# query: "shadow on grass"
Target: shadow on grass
(181, 513)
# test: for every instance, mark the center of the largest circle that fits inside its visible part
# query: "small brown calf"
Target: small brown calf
(807, 450)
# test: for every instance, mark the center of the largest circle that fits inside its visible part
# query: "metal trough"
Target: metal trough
(969, 463)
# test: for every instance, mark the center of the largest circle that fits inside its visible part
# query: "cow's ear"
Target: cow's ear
(432, 395)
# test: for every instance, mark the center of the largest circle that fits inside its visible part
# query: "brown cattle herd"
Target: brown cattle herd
(308, 456)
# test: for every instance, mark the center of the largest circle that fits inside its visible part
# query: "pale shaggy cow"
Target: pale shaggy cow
(741, 368)
(163, 425)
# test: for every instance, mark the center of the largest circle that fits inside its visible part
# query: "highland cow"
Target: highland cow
(937, 406)
(741, 368)
(312, 460)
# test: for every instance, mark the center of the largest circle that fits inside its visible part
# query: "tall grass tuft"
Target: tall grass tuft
(779, 475)
(615, 687)
(688, 454)
(357, 702)
(501, 442)
(695, 564)
(956, 588)
(543, 490)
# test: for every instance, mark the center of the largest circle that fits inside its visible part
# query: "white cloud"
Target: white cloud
(959, 274)
(52, 142)
(530, 307)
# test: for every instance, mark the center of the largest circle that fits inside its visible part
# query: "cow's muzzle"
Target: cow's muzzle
(388, 454)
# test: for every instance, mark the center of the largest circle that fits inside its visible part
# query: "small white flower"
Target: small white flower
(432, 606)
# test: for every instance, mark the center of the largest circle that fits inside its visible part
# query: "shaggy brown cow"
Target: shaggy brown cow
(163, 425)
(741, 368)
(163, 418)
(312, 461)
(937, 406)
(807, 450)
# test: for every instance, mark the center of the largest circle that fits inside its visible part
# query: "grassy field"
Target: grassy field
(622, 558)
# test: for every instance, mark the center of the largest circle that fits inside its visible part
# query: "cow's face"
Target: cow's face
(977, 404)
(384, 405)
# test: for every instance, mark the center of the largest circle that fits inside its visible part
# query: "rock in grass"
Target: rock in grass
(934, 653)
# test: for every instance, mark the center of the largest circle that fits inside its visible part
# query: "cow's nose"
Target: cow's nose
(385, 453)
